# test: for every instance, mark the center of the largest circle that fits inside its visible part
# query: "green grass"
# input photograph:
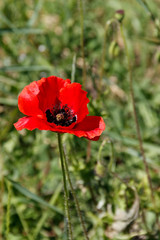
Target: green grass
(43, 38)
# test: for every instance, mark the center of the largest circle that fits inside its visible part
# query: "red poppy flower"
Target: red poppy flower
(60, 106)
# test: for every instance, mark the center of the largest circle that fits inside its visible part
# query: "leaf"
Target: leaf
(36, 13)
(33, 196)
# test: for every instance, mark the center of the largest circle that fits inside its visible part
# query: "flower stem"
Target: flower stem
(75, 198)
(65, 188)
(108, 23)
(135, 115)
(82, 42)
(1, 197)
(8, 210)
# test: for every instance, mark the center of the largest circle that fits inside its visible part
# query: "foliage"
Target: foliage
(42, 38)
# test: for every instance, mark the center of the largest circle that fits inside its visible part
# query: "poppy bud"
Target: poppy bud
(100, 169)
(119, 15)
(114, 49)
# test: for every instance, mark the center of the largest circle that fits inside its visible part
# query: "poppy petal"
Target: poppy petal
(28, 102)
(49, 91)
(31, 123)
(38, 95)
(91, 128)
(76, 99)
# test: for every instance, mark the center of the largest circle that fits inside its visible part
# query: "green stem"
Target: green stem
(1, 197)
(65, 188)
(101, 148)
(73, 69)
(82, 42)
(108, 23)
(8, 210)
(110, 165)
(135, 115)
(75, 198)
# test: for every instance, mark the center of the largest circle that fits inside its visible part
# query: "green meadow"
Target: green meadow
(116, 58)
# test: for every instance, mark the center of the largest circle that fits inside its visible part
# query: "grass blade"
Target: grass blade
(22, 31)
(144, 5)
(33, 196)
(36, 13)
(25, 68)
(46, 214)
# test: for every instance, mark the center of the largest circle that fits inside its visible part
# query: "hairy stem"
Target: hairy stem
(108, 23)
(75, 198)
(88, 153)
(8, 210)
(65, 188)
(82, 43)
(1, 198)
(135, 115)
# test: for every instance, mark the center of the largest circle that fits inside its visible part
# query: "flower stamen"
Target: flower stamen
(61, 115)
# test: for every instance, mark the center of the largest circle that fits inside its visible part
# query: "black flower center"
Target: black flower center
(61, 115)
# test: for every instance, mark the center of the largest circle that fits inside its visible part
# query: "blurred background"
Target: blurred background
(42, 38)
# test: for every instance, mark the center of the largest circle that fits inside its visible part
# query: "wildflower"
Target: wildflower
(60, 106)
